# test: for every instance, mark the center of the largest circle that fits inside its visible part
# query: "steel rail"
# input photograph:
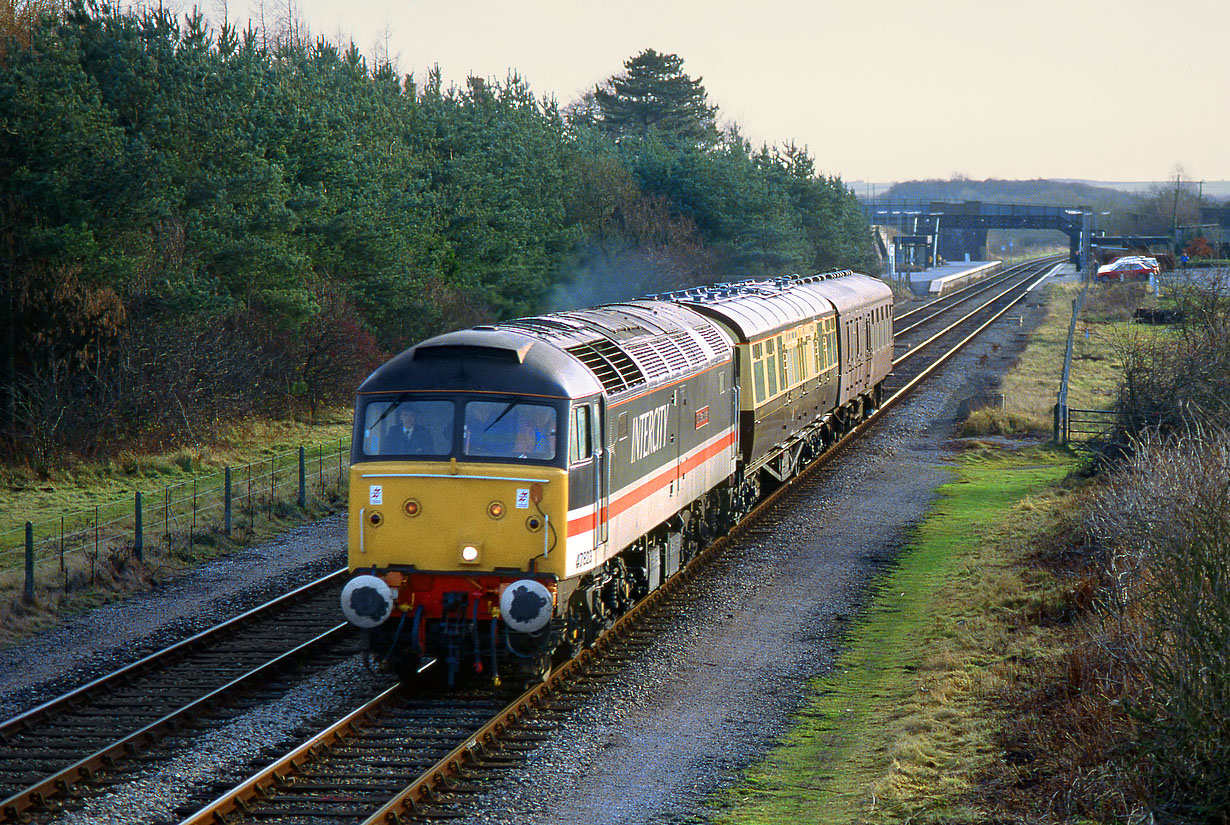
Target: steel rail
(23, 720)
(914, 350)
(1024, 271)
(980, 284)
(108, 756)
(913, 383)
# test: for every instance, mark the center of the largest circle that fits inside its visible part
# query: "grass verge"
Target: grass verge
(87, 578)
(904, 725)
(25, 496)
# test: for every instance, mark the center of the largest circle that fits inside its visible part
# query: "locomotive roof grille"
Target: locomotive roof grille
(712, 337)
(674, 353)
(649, 358)
(690, 348)
(609, 364)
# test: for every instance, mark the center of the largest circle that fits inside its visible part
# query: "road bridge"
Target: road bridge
(959, 228)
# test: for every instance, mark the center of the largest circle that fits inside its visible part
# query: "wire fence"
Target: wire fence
(59, 553)
(1061, 403)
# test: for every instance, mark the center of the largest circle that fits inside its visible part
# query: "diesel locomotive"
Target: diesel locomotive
(515, 488)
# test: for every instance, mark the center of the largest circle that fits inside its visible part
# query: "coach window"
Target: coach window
(771, 365)
(758, 372)
(788, 374)
(580, 447)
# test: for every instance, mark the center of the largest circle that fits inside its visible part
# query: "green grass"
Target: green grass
(80, 486)
(71, 493)
(899, 728)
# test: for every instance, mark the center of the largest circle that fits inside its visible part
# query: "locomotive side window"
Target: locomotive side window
(509, 429)
(408, 428)
(579, 445)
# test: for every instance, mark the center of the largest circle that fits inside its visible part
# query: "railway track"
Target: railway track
(90, 735)
(942, 331)
(375, 765)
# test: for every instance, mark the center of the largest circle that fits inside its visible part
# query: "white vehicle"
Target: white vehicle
(1129, 268)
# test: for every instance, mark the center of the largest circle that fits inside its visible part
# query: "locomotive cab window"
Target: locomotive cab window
(408, 428)
(509, 429)
(580, 445)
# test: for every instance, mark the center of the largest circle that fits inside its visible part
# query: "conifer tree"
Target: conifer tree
(654, 94)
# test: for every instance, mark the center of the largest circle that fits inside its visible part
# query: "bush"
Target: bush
(1182, 378)
(1164, 522)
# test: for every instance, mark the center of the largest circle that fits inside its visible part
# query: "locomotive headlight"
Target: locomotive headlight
(496, 509)
(469, 553)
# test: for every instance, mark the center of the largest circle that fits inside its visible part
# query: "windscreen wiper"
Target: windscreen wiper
(503, 413)
(401, 399)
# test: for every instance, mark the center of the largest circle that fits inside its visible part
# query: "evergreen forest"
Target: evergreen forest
(199, 224)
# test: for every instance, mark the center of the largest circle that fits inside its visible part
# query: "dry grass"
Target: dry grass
(1031, 388)
(1011, 423)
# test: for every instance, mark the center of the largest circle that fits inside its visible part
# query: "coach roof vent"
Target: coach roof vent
(609, 364)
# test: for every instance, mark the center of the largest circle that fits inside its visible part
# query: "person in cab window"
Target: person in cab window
(408, 436)
(536, 435)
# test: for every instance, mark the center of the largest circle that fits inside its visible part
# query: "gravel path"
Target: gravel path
(661, 741)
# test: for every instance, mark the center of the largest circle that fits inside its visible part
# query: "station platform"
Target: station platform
(942, 279)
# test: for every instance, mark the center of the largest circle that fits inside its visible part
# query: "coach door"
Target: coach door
(587, 468)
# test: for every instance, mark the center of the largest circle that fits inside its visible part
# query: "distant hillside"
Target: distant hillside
(1039, 192)
(1211, 189)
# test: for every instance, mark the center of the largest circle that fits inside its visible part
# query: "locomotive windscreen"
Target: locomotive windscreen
(509, 429)
(499, 428)
(403, 427)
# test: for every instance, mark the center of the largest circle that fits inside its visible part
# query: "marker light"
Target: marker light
(469, 553)
(411, 507)
(495, 509)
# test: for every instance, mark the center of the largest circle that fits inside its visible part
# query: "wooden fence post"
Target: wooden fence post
(138, 539)
(29, 595)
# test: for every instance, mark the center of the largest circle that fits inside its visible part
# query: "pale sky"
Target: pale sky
(1114, 90)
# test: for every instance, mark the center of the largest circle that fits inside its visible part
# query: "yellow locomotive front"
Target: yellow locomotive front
(458, 506)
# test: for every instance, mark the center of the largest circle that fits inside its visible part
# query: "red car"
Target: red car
(1129, 268)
